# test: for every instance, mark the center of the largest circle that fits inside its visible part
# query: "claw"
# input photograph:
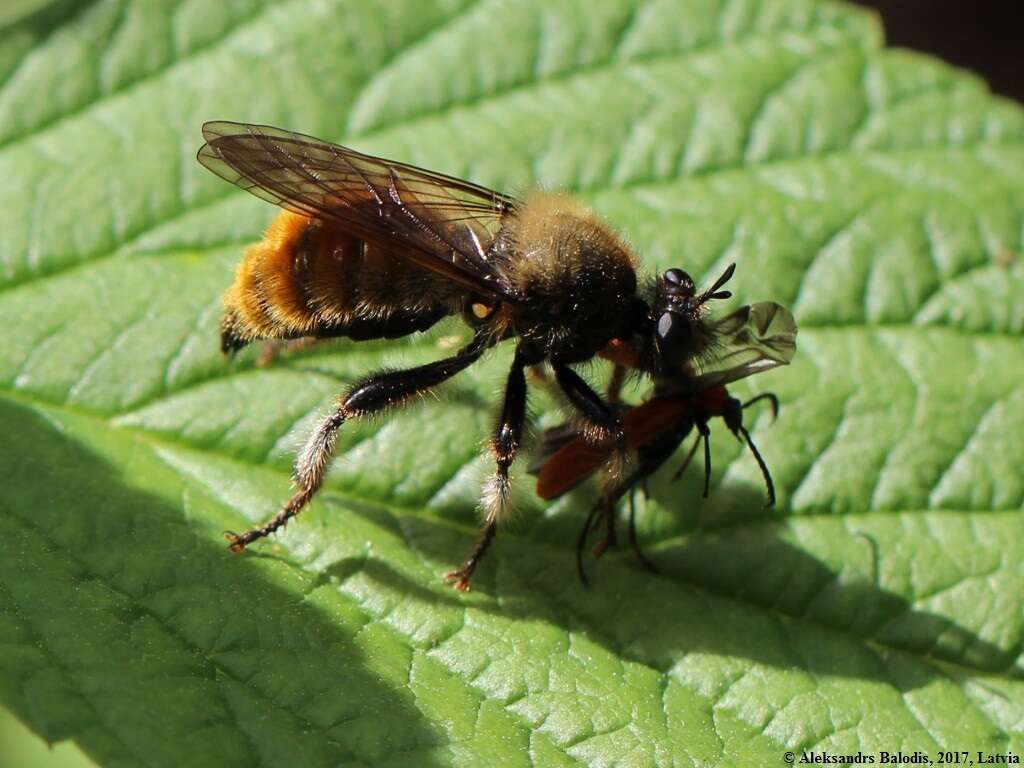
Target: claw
(458, 579)
(235, 542)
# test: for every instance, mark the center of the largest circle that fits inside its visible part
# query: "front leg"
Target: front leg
(373, 394)
(602, 422)
(650, 458)
(615, 383)
(505, 444)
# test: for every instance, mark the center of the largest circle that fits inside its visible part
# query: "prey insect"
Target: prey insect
(368, 248)
(753, 339)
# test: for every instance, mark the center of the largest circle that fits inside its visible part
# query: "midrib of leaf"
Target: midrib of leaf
(247, 365)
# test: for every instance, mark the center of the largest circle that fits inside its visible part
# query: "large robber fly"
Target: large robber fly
(368, 248)
(753, 339)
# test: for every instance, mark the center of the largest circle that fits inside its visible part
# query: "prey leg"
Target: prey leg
(602, 425)
(611, 538)
(649, 460)
(688, 459)
(771, 397)
(773, 401)
(581, 542)
(504, 445)
(769, 485)
(734, 420)
(373, 394)
(705, 433)
(637, 550)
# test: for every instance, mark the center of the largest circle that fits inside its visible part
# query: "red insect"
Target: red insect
(751, 340)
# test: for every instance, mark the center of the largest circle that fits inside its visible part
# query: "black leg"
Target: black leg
(602, 420)
(764, 467)
(504, 446)
(687, 460)
(581, 542)
(705, 435)
(770, 397)
(373, 394)
(615, 382)
(650, 459)
(610, 539)
(733, 415)
(632, 532)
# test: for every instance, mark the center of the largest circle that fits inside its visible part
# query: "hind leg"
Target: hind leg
(373, 394)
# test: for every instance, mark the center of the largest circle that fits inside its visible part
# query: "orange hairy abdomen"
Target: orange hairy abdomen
(306, 277)
(265, 299)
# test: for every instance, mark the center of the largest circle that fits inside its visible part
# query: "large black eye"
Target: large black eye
(679, 280)
(674, 337)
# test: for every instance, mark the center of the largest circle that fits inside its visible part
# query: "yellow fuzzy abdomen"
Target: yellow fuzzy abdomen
(307, 277)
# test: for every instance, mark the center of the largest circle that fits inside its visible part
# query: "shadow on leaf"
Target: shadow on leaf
(126, 631)
(724, 594)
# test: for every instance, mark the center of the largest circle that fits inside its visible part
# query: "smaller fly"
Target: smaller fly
(753, 339)
(368, 248)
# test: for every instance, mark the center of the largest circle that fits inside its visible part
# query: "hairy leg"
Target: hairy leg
(602, 422)
(649, 460)
(375, 393)
(505, 444)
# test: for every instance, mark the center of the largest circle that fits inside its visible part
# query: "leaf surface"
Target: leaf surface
(878, 193)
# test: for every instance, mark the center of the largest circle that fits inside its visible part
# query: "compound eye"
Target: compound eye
(679, 280)
(674, 338)
(674, 276)
(666, 323)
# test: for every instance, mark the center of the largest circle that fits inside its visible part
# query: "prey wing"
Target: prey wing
(752, 339)
(564, 458)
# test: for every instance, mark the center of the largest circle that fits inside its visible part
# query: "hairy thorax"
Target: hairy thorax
(574, 274)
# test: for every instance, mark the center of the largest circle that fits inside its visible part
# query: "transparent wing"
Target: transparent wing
(752, 339)
(438, 222)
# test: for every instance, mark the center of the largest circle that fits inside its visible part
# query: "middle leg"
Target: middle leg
(508, 436)
(650, 458)
(602, 422)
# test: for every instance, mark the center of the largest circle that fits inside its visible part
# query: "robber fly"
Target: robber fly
(753, 339)
(368, 248)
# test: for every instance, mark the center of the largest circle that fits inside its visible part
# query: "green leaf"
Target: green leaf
(878, 193)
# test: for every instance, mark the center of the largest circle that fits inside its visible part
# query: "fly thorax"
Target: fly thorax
(577, 280)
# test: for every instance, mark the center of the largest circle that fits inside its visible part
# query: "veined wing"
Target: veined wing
(752, 339)
(441, 223)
